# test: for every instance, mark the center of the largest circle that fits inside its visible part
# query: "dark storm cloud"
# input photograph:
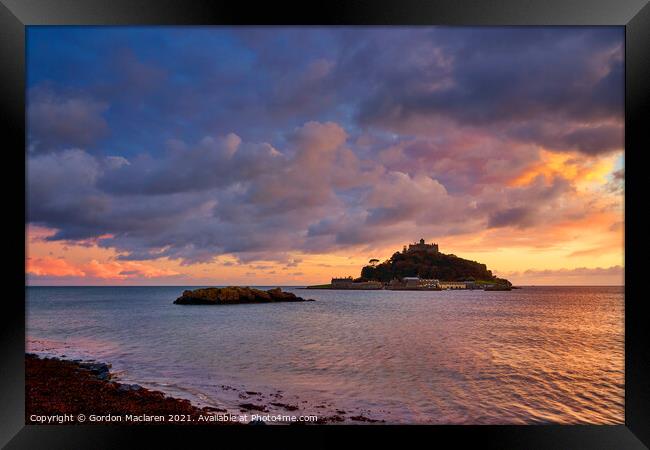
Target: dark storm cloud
(529, 206)
(213, 163)
(591, 140)
(57, 121)
(510, 78)
(520, 216)
(596, 140)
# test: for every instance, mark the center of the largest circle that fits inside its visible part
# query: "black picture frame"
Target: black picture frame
(634, 15)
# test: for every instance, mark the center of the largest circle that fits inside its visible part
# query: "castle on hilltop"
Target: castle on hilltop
(421, 246)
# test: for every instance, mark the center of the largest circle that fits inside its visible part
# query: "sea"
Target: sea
(536, 355)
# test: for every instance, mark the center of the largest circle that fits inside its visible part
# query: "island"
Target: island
(422, 266)
(233, 295)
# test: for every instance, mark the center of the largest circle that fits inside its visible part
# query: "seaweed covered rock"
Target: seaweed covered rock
(235, 295)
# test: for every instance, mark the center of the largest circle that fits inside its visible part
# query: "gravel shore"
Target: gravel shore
(65, 392)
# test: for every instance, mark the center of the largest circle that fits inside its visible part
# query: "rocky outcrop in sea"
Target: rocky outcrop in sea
(235, 295)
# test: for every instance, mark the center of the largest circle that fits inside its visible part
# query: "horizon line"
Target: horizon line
(282, 285)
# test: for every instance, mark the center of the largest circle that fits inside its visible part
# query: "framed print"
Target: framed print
(384, 219)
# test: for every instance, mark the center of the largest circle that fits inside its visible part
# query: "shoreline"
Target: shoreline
(72, 391)
(62, 391)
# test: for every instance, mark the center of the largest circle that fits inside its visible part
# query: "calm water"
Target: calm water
(535, 355)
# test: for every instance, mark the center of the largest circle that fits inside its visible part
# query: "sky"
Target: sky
(289, 155)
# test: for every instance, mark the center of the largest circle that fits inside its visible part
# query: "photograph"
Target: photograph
(325, 225)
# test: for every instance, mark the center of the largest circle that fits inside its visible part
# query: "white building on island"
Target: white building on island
(453, 285)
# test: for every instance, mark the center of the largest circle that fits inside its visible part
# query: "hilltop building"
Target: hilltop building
(421, 246)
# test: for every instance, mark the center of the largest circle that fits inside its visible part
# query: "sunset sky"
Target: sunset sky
(286, 156)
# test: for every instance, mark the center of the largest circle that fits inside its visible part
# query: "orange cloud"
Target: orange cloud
(123, 270)
(112, 270)
(52, 267)
(566, 165)
(36, 234)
